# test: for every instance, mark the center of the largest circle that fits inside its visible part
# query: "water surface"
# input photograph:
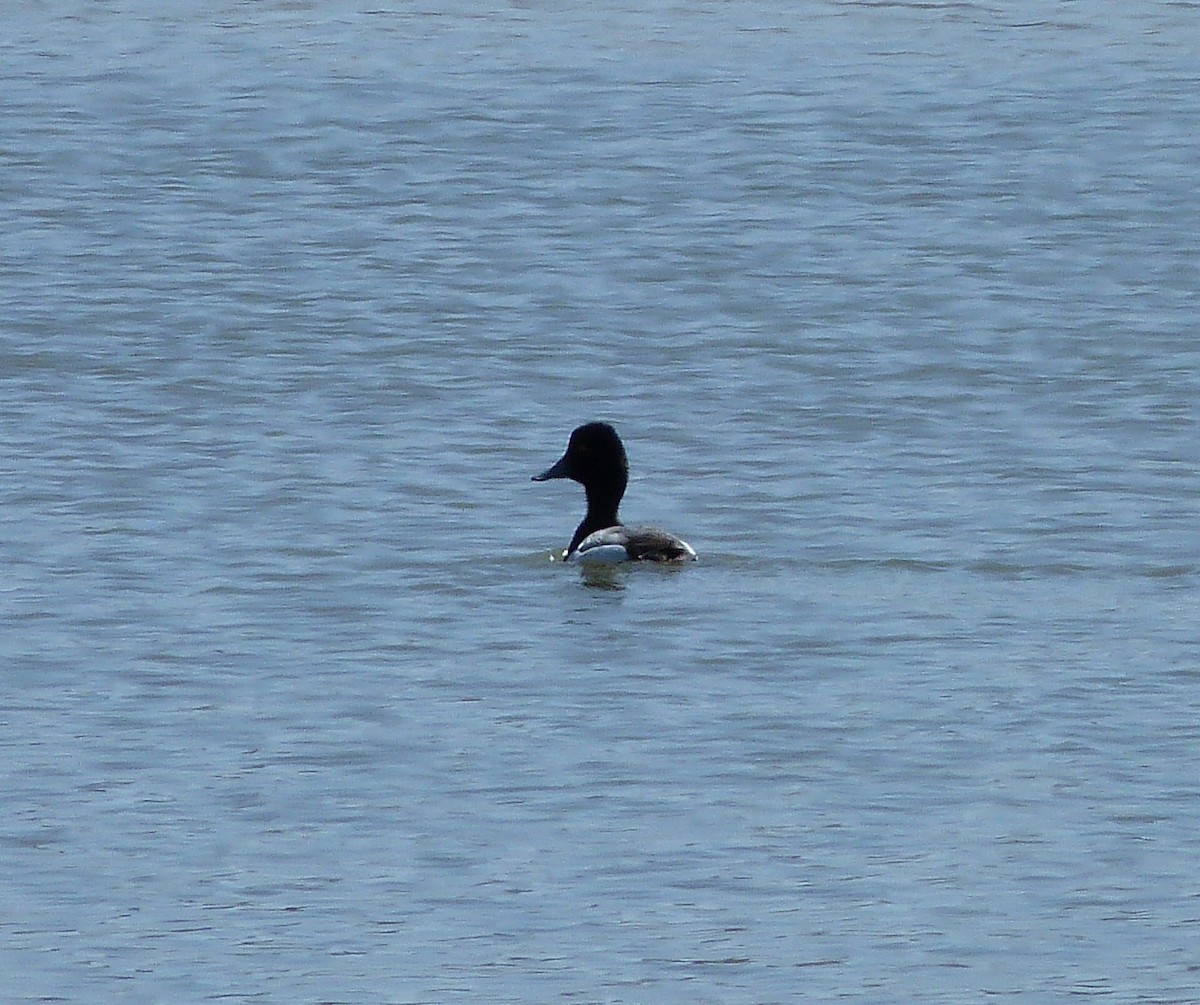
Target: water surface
(894, 305)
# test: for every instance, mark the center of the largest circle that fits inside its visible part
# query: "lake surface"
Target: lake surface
(895, 305)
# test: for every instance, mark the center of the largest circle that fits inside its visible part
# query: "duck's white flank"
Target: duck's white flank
(599, 554)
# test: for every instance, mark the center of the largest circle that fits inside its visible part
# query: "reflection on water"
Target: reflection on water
(603, 577)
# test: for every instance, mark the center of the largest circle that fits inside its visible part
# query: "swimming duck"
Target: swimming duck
(596, 459)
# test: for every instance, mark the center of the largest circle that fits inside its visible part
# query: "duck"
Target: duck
(595, 457)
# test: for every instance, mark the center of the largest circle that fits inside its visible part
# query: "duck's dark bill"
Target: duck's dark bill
(559, 470)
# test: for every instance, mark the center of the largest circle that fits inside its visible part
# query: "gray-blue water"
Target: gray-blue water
(896, 307)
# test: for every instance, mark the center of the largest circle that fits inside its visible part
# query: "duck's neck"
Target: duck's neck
(602, 506)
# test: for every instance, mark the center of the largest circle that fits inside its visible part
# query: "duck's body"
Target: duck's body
(596, 459)
(631, 544)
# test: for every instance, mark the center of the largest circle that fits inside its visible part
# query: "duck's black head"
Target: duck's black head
(596, 459)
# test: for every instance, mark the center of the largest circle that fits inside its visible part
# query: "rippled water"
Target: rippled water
(895, 306)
